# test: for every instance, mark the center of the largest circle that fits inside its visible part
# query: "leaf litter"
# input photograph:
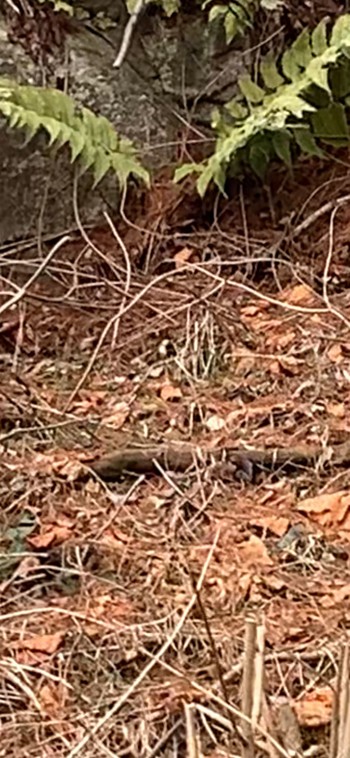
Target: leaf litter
(105, 579)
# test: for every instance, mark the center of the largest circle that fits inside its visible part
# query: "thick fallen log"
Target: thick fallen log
(225, 461)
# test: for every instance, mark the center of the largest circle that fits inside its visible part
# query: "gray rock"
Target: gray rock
(173, 69)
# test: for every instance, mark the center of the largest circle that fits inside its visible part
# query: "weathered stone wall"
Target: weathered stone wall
(174, 68)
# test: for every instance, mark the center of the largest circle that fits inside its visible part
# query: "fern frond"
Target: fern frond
(91, 138)
(277, 109)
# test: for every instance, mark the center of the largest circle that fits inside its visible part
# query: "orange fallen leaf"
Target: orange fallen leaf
(335, 353)
(59, 462)
(244, 584)
(297, 295)
(169, 392)
(250, 310)
(110, 540)
(275, 368)
(72, 470)
(277, 338)
(276, 524)
(91, 401)
(183, 256)
(315, 709)
(290, 365)
(336, 409)
(328, 509)
(254, 552)
(340, 594)
(118, 416)
(274, 582)
(244, 364)
(55, 534)
(42, 643)
(51, 698)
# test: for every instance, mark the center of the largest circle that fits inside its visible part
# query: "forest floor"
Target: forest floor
(132, 611)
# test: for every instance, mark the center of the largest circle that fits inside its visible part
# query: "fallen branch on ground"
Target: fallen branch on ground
(225, 462)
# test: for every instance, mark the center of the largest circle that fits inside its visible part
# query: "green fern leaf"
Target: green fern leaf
(205, 179)
(290, 107)
(236, 16)
(319, 74)
(341, 31)
(102, 164)
(301, 49)
(319, 38)
(107, 133)
(306, 141)
(91, 138)
(87, 157)
(31, 121)
(13, 114)
(251, 91)
(259, 157)
(63, 107)
(271, 5)
(170, 7)
(281, 142)
(125, 166)
(294, 104)
(65, 135)
(340, 80)
(330, 125)
(53, 127)
(77, 142)
(186, 169)
(236, 109)
(268, 69)
(216, 11)
(290, 68)
(231, 27)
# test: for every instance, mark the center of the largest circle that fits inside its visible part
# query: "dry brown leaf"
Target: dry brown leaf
(277, 336)
(59, 462)
(290, 365)
(251, 310)
(111, 540)
(328, 509)
(156, 502)
(254, 552)
(109, 608)
(72, 470)
(336, 409)
(120, 535)
(244, 364)
(315, 709)
(276, 524)
(274, 583)
(275, 368)
(335, 353)
(214, 423)
(169, 392)
(92, 401)
(340, 594)
(118, 415)
(55, 534)
(183, 256)
(42, 643)
(244, 583)
(298, 295)
(27, 565)
(51, 698)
